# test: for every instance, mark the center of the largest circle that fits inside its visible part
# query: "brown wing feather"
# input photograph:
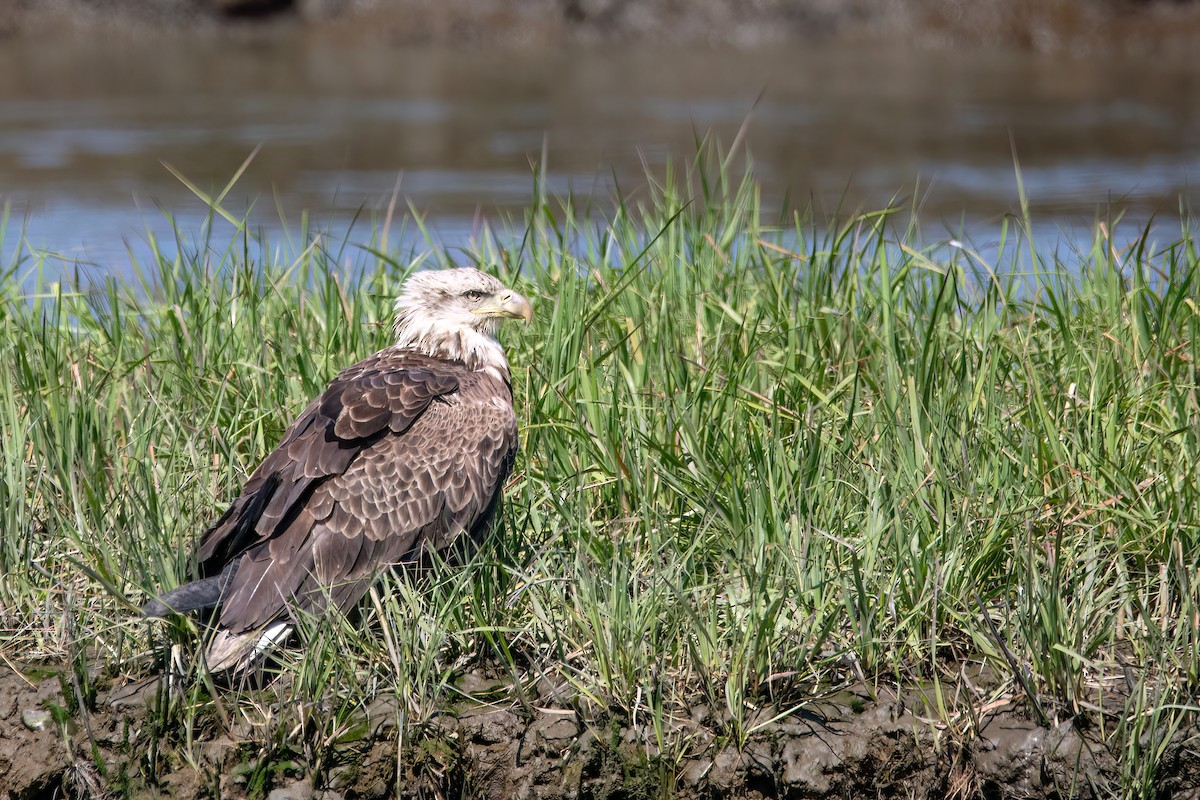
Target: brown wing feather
(400, 452)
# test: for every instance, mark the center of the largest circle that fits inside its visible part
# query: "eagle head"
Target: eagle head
(455, 314)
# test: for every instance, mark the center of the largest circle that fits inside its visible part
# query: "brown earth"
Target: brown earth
(1072, 26)
(855, 743)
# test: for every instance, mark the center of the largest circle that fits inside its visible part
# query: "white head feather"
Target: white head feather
(455, 314)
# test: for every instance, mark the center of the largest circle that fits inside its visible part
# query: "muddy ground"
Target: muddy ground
(853, 743)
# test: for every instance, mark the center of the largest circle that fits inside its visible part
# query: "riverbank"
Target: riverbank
(1070, 26)
(859, 741)
(798, 483)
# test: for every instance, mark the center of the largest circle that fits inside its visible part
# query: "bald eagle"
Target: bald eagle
(402, 453)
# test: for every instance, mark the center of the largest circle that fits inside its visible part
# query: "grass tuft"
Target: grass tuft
(760, 462)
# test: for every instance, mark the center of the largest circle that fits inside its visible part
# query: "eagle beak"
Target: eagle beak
(508, 304)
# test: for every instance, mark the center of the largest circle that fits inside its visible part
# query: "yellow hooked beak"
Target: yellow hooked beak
(507, 304)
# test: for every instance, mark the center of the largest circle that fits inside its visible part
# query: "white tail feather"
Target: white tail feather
(237, 651)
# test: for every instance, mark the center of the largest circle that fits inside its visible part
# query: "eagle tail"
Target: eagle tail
(236, 652)
(202, 595)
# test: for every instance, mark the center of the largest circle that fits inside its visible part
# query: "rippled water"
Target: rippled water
(87, 127)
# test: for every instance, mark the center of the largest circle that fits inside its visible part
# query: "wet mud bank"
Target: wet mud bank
(852, 743)
(1064, 26)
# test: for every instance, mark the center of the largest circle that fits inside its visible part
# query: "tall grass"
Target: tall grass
(760, 459)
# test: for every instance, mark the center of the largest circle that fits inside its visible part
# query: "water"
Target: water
(87, 127)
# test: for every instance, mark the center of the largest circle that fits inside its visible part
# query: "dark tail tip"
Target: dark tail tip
(201, 595)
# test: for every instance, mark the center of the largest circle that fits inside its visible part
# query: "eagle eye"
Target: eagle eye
(473, 294)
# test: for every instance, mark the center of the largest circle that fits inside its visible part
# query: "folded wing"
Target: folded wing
(401, 452)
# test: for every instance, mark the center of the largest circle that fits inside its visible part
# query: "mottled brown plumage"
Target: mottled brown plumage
(403, 452)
